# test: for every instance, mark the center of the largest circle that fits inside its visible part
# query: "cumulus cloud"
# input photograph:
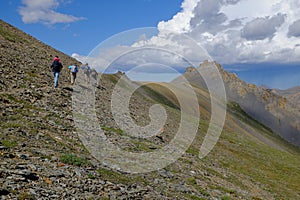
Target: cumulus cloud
(228, 31)
(262, 28)
(240, 31)
(209, 18)
(180, 23)
(294, 29)
(35, 11)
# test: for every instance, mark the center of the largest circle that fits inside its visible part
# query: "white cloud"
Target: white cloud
(228, 31)
(43, 11)
(241, 31)
(294, 29)
(262, 28)
(248, 10)
(180, 23)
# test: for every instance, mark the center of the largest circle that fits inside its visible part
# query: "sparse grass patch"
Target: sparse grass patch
(226, 198)
(23, 86)
(142, 145)
(186, 160)
(46, 157)
(26, 104)
(204, 192)
(91, 176)
(12, 125)
(10, 97)
(9, 143)
(32, 74)
(237, 111)
(74, 160)
(114, 176)
(10, 36)
(274, 169)
(158, 96)
(193, 197)
(115, 130)
(30, 80)
(114, 79)
(193, 150)
(192, 181)
(26, 196)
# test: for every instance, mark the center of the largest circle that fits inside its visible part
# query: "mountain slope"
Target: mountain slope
(249, 157)
(42, 156)
(271, 109)
(292, 95)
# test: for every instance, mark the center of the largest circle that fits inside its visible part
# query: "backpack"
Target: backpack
(73, 68)
(56, 66)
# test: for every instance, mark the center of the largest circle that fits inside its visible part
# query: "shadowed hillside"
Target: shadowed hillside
(292, 95)
(276, 111)
(42, 156)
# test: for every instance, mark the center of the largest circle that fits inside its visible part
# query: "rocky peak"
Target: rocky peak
(268, 107)
(190, 69)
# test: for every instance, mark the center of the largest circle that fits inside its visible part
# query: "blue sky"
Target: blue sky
(235, 33)
(97, 20)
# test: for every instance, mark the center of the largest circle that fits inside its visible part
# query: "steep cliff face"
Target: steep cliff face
(277, 110)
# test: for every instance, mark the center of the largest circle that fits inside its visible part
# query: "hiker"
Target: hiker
(87, 71)
(94, 74)
(73, 71)
(56, 68)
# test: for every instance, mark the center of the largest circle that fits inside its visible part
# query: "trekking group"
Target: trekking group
(57, 66)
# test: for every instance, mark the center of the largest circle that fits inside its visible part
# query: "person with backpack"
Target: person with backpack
(56, 67)
(87, 71)
(73, 71)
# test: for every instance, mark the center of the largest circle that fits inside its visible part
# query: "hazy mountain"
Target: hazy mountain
(276, 109)
(43, 157)
(292, 95)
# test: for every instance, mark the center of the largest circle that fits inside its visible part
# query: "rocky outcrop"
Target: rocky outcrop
(270, 108)
(292, 95)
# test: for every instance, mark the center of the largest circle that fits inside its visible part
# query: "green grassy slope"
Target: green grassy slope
(247, 150)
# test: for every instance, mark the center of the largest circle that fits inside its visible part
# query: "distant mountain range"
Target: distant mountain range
(277, 109)
(292, 95)
(270, 75)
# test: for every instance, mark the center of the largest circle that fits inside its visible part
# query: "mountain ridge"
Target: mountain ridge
(291, 94)
(274, 109)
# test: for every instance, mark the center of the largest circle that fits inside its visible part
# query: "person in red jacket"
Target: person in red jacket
(56, 67)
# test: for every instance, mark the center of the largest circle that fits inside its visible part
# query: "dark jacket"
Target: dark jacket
(56, 66)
